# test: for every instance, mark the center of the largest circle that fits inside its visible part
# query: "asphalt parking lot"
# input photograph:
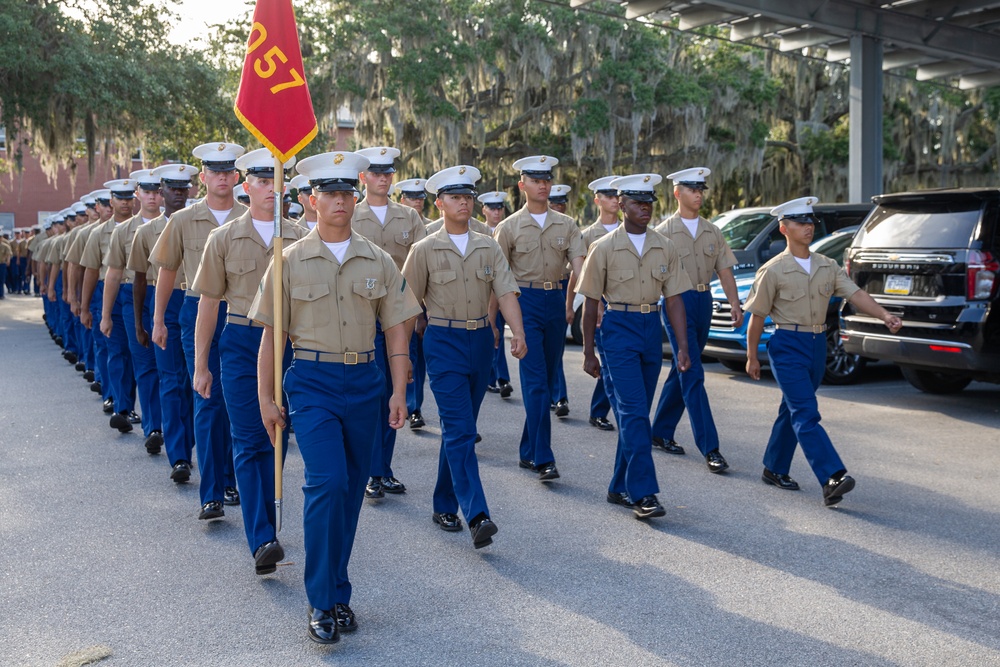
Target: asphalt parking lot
(101, 552)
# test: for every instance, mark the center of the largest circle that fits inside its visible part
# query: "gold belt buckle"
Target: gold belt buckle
(471, 325)
(547, 285)
(817, 328)
(644, 308)
(350, 358)
(701, 287)
(184, 286)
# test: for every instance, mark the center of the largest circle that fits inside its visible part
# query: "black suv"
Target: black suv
(754, 237)
(932, 258)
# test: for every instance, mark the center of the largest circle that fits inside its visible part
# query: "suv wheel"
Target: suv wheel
(935, 383)
(841, 366)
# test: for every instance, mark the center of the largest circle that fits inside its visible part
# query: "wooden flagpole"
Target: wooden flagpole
(279, 333)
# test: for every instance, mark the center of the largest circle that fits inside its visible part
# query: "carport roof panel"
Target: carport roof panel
(926, 32)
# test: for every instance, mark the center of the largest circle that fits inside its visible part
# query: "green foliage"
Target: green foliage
(827, 146)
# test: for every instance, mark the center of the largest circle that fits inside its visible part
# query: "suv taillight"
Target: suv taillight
(982, 274)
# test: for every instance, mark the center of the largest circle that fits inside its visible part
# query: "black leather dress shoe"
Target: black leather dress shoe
(323, 626)
(154, 442)
(345, 618)
(781, 481)
(88, 375)
(211, 511)
(392, 485)
(267, 557)
(96, 388)
(70, 357)
(80, 366)
(668, 446)
(416, 420)
(479, 438)
(230, 496)
(109, 406)
(120, 421)
(506, 388)
(836, 487)
(492, 389)
(483, 531)
(448, 522)
(181, 472)
(373, 490)
(547, 472)
(716, 462)
(602, 423)
(134, 418)
(648, 508)
(562, 408)
(527, 465)
(620, 499)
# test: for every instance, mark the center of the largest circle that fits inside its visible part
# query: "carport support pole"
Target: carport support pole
(865, 178)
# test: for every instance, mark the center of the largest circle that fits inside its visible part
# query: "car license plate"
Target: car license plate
(898, 284)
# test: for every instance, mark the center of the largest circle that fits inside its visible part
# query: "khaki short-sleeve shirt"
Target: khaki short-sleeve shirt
(78, 242)
(98, 245)
(615, 271)
(53, 253)
(702, 255)
(6, 253)
(474, 225)
(454, 287)
(121, 246)
(594, 232)
(332, 307)
(403, 227)
(783, 289)
(36, 243)
(182, 241)
(142, 246)
(539, 254)
(234, 261)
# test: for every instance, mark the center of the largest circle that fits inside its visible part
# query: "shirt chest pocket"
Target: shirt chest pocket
(619, 276)
(558, 243)
(826, 289)
(442, 277)
(485, 274)
(792, 294)
(238, 268)
(309, 307)
(525, 248)
(404, 239)
(194, 245)
(367, 294)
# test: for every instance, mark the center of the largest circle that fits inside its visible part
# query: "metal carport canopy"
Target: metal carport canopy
(941, 39)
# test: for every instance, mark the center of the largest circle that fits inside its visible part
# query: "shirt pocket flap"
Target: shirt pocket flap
(195, 245)
(682, 251)
(370, 289)
(310, 292)
(442, 277)
(791, 293)
(526, 246)
(621, 275)
(405, 238)
(240, 267)
(486, 273)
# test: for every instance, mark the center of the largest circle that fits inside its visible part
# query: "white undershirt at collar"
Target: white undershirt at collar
(805, 263)
(379, 212)
(539, 218)
(338, 249)
(265, 229)
(638, 240)
(461, 241)
(692, 225)
(220, 216)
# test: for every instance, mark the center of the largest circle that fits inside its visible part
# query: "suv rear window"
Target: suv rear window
(924, 225)
(741, 230)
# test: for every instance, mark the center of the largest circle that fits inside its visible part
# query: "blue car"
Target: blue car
(729, 345)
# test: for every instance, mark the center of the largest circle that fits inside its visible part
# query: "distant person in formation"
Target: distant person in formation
(456, 274)
(606, 200)
(412, 194)
(539, 243)
(176, 395)
(235, 257)
(119, 296)
(704, 253)
(794, 289)
(495, 210)
(559, 202)
(180, 246)
(631, 269)
(308, 218)
(336, 284)
(394, 228)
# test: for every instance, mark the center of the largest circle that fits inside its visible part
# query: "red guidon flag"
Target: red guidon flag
(273, 101)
